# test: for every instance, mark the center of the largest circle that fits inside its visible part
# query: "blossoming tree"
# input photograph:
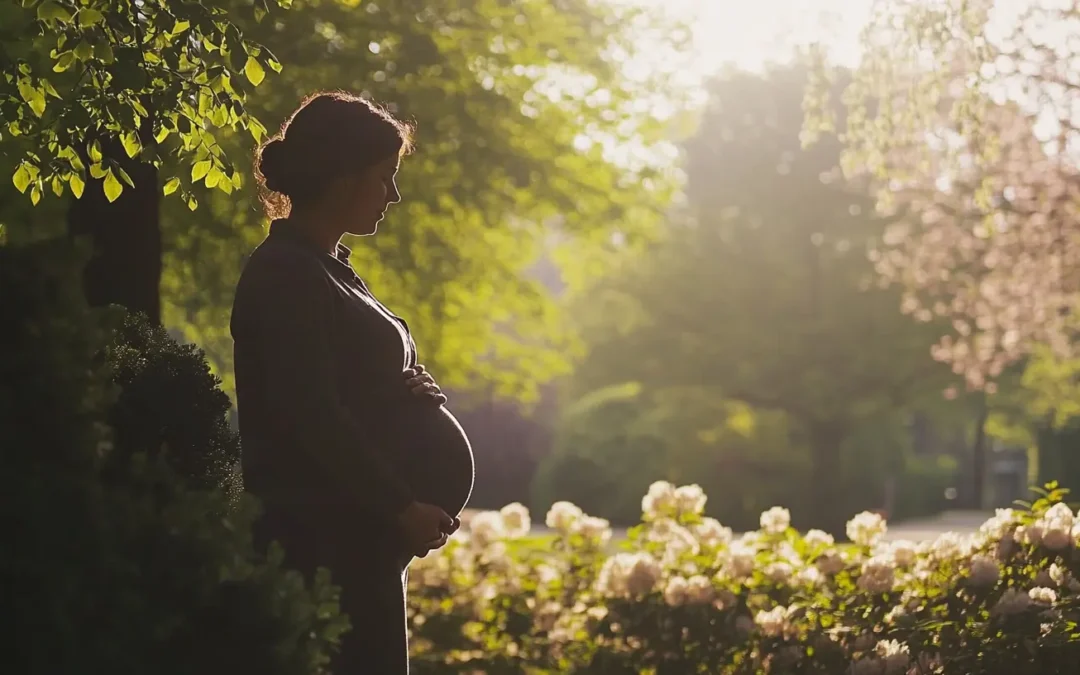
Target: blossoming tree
(963, 116)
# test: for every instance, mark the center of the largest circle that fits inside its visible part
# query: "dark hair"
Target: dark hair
(331, 133)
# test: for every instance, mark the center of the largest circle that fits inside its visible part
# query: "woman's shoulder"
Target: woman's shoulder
(274, 262)
(284, 273)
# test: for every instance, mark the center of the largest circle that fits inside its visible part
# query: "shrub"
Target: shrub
(140, 573)
(686, 595)
(169, 400)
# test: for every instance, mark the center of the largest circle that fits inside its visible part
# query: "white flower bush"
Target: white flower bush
(684, 594)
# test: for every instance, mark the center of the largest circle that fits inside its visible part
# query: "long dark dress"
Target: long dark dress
(334, 443)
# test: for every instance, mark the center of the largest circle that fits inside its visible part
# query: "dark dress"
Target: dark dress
(334, 443)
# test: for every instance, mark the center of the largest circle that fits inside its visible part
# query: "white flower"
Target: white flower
(810, 575)
(1028, 534)
(643, 575)
(774, 622)
(903, 552)
(818, 538)
(830, 562)
(1005, 549)
(1000, 525)
(562, 516)
(949, 546)
(895, 655)
(699, 590)
(711, 533)
(597, 530)
(628, 575)
(740, 561)
(677, 540)
(1058, 574)
(1056, 538)
(776, 520)
(1012, 601)
(515, 520)
(984, 571)
(546, 573)
(1043, 595)
(866, 528)
(778, 572)
(897, 612)
(690, 499)
(486, 527)
(675, 592)
(659, 500)
(878, 575)
(1057, 527)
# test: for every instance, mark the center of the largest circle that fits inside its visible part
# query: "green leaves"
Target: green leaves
(22, 178)
(180, 64)
(254, 71)
(52, 12)
(32, 96)
(200, 169)
(112, 187)
(88, 17)
(75, 182)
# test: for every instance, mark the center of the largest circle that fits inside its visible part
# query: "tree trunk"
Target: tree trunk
(826, 484)
(978, 457)
(125, 267)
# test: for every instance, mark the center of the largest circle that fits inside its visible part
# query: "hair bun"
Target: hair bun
(274, 166)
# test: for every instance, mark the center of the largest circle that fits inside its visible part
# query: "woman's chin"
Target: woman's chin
(363, 231)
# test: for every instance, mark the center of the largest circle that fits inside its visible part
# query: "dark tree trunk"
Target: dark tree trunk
(978, 457)
(125, 267)
(826, 486)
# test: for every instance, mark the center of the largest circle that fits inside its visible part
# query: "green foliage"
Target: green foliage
(125, 569)
(686, 595)
(612, 443)
(171, 404)
(504, 95)
(765, 297)
(157, 77)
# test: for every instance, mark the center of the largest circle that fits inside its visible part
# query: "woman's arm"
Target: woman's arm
(295, 320)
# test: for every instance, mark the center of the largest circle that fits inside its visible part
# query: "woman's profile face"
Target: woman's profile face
(370, 193)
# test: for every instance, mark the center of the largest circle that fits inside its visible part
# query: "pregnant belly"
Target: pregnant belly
(433, 453)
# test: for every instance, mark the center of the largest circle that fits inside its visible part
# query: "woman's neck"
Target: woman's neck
(318, 228)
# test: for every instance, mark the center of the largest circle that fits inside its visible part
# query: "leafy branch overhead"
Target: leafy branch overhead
(156, 77)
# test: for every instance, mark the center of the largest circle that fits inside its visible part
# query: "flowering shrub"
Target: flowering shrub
(685, 595)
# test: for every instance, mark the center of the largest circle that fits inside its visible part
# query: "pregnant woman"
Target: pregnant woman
(346, 441)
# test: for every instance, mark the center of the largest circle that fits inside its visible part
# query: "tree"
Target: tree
(518, 106)
(105, 95)
(766, 296)
(962, 114)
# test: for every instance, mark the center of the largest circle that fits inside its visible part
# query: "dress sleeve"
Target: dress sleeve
(295, 320)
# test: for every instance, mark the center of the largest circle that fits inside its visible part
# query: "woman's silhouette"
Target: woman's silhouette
(345, 438)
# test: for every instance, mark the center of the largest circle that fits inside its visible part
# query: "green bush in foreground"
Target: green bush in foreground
(112, 563)
(687, 596)
(170, 403)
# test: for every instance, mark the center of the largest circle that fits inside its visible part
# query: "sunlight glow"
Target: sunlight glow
(751, 34)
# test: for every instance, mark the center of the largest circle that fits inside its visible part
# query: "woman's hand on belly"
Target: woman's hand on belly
(422, 384)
